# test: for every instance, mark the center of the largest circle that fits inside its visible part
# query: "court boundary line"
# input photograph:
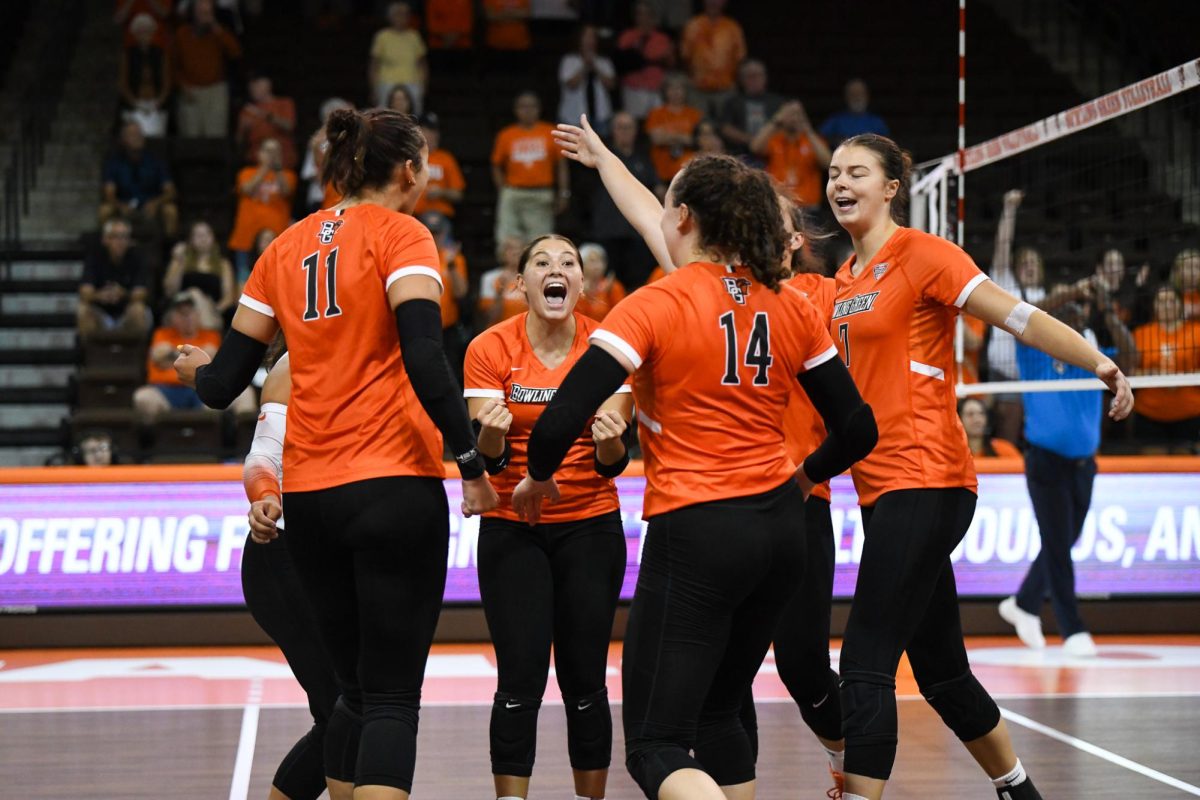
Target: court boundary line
(1099, 752)
(239, 786)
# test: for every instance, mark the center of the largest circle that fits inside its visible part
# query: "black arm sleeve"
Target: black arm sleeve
(593, 379)
(230, 372)
(494, 466)
(420, 326)
(617, 467)
(849, 421)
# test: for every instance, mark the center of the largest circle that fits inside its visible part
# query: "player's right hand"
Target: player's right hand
(1118, 384)
(581, 144)
(263, 516)
(479, 497)
(190, 359)
(494, 418)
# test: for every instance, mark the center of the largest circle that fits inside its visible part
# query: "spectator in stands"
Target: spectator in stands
(226, 12)
(974, 416)
(1168, 419)
(708, 139)
(456, 283)
(446, 183)
(855, 118)
(401, 99)
(449, 23)
(261, 242)
(1185, 277)
(628, 254)
(264, 201)
(115, 288)
(138, 187)
(145, 78)
(507, 24)
(601, 289)
(159, 12)
(163, 391)
(671, 14)
(644, 54)
(1125, 289)
(398, 58)
(672, 129)
(748, 111)
(319, 196)
(197, 263)
(203, 50)
(93, 449)
(265, 116)
(499, 297)
(712, 47)
(585, 79)
(796, 154)
(526, 166)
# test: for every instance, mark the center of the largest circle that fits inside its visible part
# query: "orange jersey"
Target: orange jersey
(494, 288)
(1168, 353)
(793, 162)
(717, 355)
(501, 363)
(156, 374)
(444, 173)
(597, 304)
(656, 274)
(527, 155)
(447, 19)
(507, 34)
(803, 428)
(458, 266)
(353, 413)
(266, 208)
(682, 121)
(713, 48)
(894, 327)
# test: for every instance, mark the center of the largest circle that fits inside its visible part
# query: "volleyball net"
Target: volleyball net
(1092, 214)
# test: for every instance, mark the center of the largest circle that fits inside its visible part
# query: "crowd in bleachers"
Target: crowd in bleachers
(662, 80)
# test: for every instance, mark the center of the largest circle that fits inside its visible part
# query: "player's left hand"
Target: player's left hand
(1118, 384)
(263, 516)
(190, 359)
(607, 426)
(529, 495)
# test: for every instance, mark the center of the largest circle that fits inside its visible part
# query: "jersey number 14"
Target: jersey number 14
(758, 350)
(310, 266)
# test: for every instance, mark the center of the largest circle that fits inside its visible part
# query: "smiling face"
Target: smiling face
(551, 278)
(858, 189)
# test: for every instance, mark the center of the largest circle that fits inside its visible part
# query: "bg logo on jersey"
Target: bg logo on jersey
(738, 288)
(859, 304)
(328, 228)
(523, 394)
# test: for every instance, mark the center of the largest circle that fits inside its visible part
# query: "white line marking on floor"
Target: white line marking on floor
(1099, 752)
(239, 789)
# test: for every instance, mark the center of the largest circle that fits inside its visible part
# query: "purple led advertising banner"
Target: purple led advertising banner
(106, 545)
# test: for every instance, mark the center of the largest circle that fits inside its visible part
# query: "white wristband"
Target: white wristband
(1018, 318)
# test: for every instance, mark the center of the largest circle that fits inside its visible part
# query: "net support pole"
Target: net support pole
(962, 116)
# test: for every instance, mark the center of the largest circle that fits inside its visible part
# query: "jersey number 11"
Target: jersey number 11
(310, 266)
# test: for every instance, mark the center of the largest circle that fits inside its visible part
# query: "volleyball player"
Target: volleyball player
(355, 289)
(556, 582)
(897, 300)
(278, 604)
(716, 348)
(802, 636)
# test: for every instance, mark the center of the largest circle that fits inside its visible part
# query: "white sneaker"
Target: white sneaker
(1080, 645)
(1029, 626)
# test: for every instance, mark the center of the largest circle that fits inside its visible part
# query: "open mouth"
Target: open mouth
(845, 203)
(555, 293)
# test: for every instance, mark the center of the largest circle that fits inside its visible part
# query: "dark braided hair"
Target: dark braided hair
(365, 147)
(737, 214)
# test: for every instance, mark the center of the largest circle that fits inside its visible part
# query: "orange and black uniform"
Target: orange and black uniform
(556, 582)
(716, 357)
(368, 521)
(893, 322)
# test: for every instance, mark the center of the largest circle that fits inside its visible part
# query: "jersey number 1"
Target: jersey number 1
(758, 350)
(310, 266)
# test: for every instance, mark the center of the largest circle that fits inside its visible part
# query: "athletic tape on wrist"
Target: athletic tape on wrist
(1018, 318)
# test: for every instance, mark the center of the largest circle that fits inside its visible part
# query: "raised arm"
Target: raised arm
(636, 203)
(1002, 271)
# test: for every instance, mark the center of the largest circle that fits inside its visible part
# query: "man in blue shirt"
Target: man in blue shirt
(855, 119)
(1062, 434)
(137, 185)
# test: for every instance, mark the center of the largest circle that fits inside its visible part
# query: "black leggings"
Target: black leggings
(554, 583)
(372, 558)
(714, 578)
(906, 600)
(801, 648)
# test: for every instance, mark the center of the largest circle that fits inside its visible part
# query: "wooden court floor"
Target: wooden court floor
(213, 723)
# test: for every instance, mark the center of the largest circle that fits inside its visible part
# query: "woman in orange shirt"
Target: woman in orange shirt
(715, 348)
(556, 582)
(264, 201)
(355, 290)
(499, 297)
(601, 289)
(671, 128)
(898, 299)
(1168, 419)
(974, 416)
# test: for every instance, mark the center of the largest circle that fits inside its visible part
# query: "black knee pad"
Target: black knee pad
(651, 759)
(301, 773)
(387, 752)
(821, 707)
(869, 723)
(513, 734)
(341, 740)
(724, 746)
(964, 705)
(589, 730)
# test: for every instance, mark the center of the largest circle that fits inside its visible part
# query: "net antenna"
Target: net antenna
(937, 192)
